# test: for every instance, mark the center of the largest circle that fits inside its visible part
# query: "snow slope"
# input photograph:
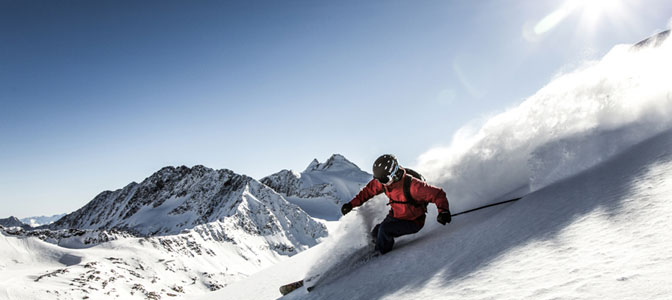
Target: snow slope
(603, 234)
(321, 188)
(130, 268)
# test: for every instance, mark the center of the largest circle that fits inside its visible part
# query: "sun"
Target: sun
(592, 11)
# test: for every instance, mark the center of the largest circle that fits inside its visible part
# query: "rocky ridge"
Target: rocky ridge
(219, 203)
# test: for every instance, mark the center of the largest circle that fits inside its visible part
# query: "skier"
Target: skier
(408, 205)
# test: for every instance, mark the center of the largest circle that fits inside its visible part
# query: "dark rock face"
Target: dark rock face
(653, 41)
(284, 182)
(69, 238)
(13, 222)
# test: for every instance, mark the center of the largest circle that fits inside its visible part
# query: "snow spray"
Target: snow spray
(352, 234)
(578, 120)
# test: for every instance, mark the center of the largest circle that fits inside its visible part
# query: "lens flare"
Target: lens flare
(591, 13)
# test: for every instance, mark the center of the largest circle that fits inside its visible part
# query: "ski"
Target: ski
(290, 287)
(356, 259)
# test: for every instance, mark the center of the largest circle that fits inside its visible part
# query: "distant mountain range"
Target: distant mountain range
(41, 220)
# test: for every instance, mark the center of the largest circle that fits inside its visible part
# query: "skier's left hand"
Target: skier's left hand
(443, 217)
(346, 208)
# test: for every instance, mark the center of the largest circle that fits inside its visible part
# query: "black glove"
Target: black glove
(443, 217)
(346, 208)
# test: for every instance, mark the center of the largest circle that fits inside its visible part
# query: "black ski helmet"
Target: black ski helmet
(385, 168)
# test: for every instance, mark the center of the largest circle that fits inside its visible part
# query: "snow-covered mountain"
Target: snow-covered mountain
(322, 187)
(218, 202)
(41, 220)
(12, 222)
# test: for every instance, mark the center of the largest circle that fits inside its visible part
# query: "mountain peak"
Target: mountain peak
(313, 165)
(335, 162)
(185, 196)
(11, 222)
(182, 170)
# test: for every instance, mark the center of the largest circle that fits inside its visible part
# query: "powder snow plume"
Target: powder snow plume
(351, 235)
(579, 119)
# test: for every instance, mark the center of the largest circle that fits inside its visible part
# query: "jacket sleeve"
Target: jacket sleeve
(371, 189)
(424, 192)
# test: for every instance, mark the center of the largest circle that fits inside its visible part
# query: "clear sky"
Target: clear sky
(96, 94)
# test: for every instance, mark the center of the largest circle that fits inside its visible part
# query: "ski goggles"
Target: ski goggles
(386, 180)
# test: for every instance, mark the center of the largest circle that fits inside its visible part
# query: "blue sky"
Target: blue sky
(96, 94)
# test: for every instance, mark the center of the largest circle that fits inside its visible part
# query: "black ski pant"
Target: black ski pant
(390, 228)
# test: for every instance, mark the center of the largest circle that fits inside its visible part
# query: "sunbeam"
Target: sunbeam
(591, 13)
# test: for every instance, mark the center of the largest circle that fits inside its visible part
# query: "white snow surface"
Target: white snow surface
(130, 268)
(592, 152)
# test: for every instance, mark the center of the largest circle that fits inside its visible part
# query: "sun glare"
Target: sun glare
(591, 12)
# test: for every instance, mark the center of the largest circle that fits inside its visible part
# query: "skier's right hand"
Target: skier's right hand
(346, 208)
(443, 217)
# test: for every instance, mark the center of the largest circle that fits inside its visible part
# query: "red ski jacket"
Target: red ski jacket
(420, 190)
